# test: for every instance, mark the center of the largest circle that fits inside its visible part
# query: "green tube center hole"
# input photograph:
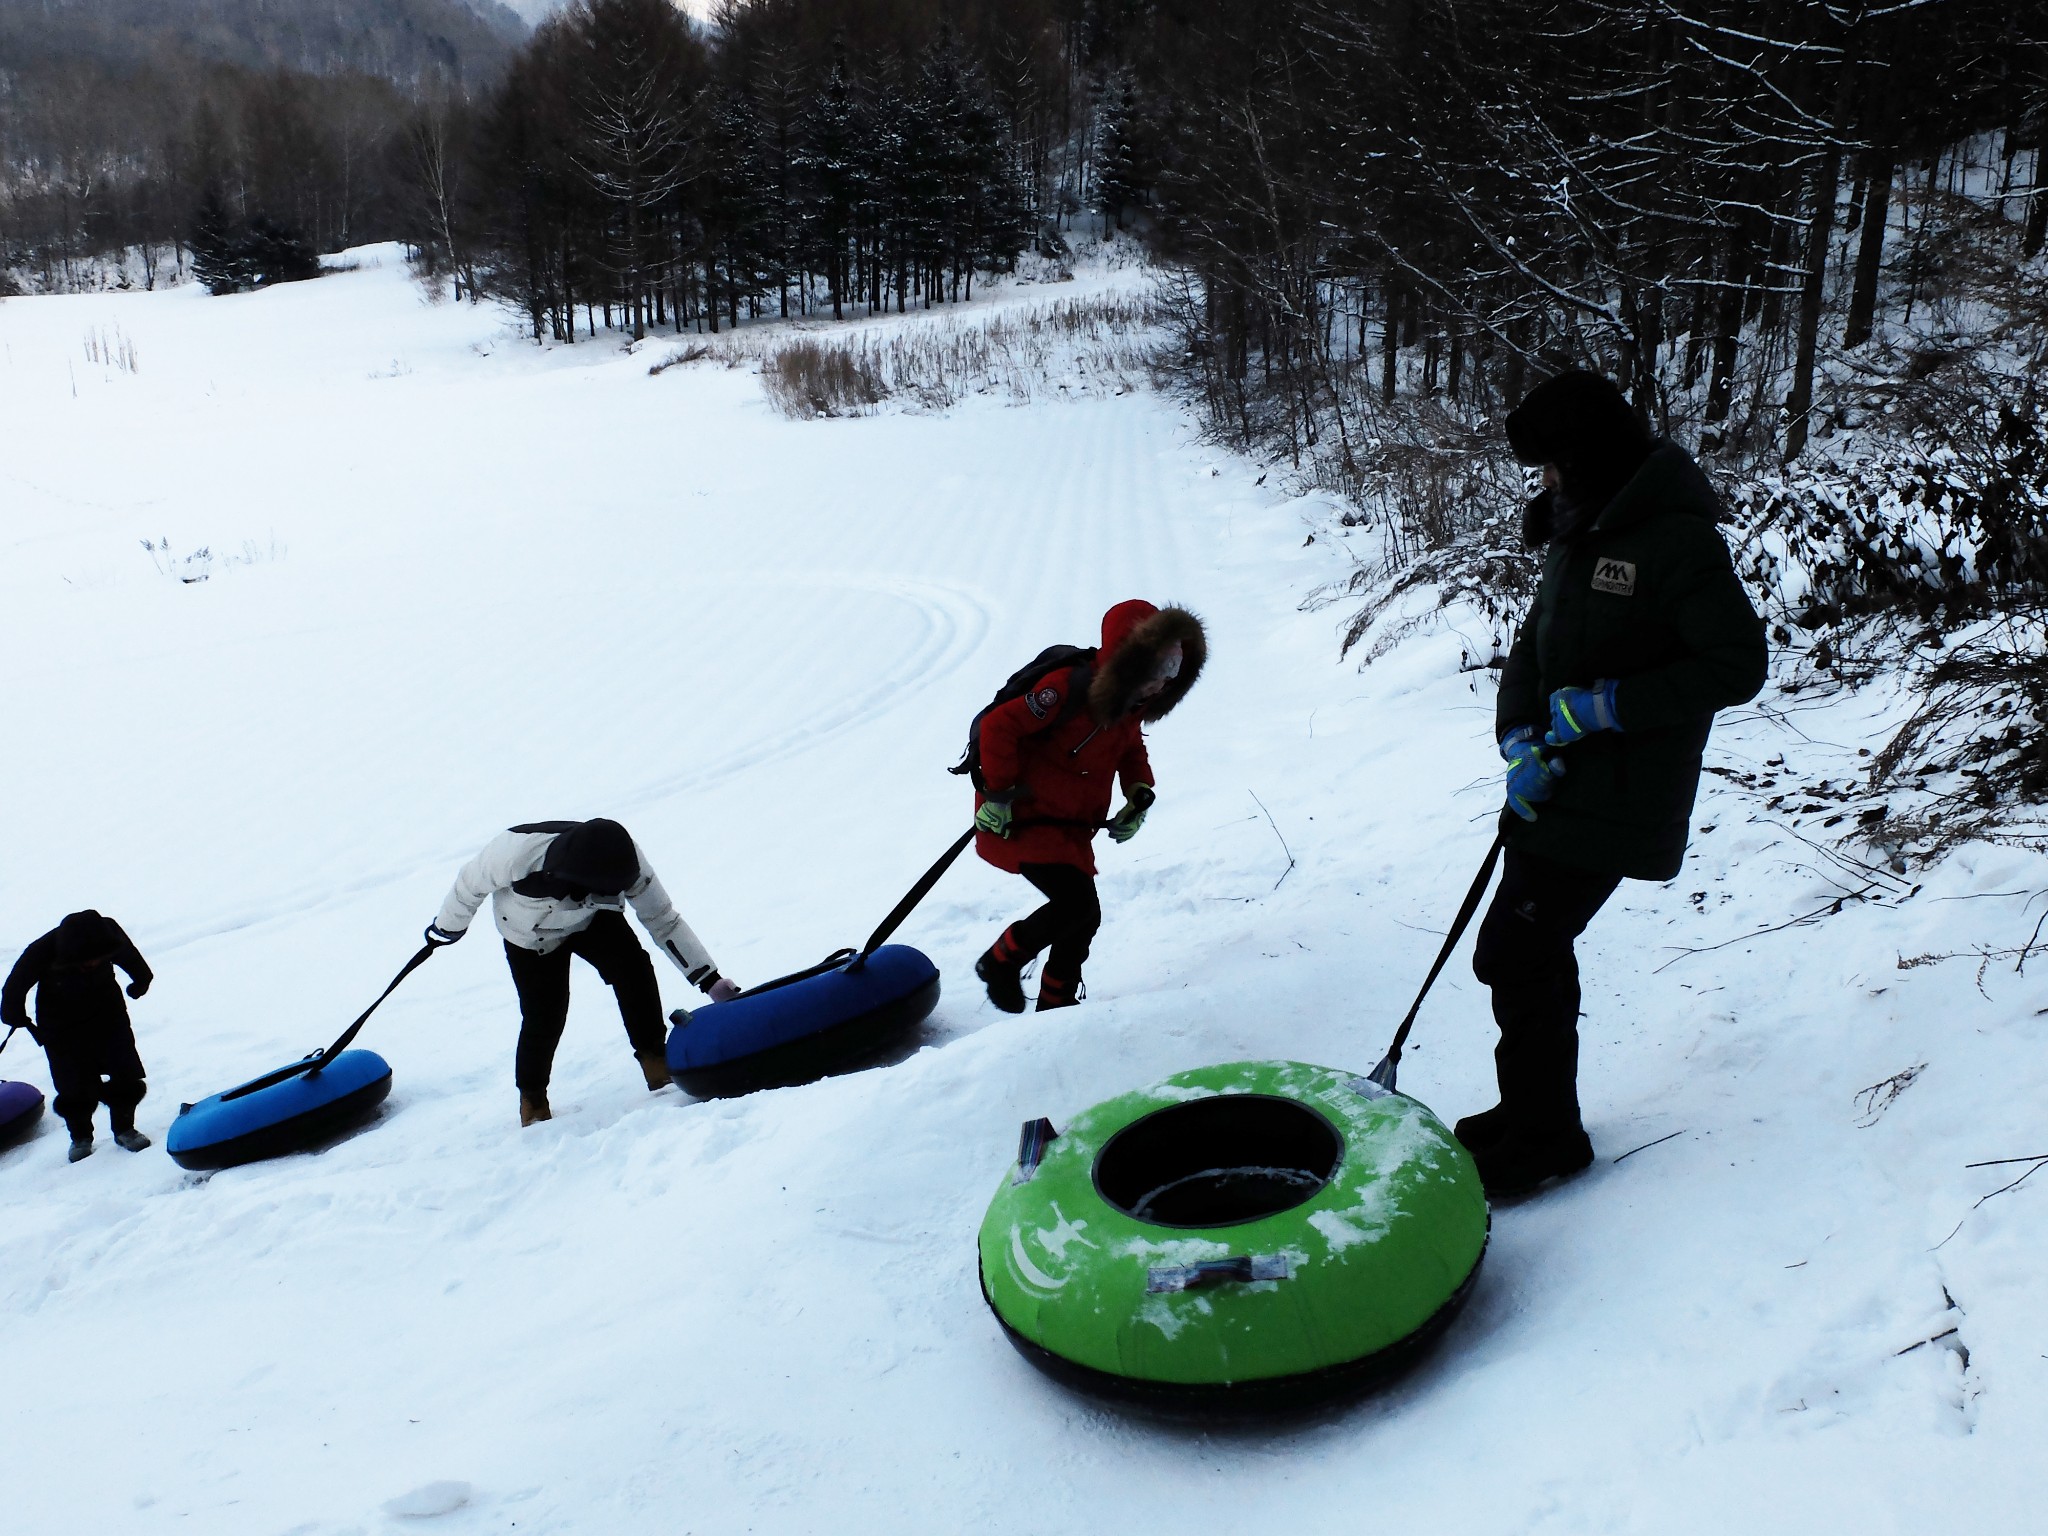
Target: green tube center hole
(1218, 1162)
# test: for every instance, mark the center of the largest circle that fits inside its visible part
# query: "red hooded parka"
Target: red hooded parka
(1059, 761)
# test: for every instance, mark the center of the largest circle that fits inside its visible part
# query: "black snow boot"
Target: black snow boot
(1525, 1159)
(130, 1139)
(81, 1147)
(1001, 970)
(1482, 1129)
(1058, 991)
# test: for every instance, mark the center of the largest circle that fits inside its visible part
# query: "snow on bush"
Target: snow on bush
(1945, 525)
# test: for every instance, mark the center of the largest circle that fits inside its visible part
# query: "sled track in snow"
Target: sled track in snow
(955, 624)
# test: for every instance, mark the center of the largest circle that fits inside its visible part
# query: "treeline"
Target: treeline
(118, 116)
(317, 155)
(629, 165)
(641, 171)
(1467, 192)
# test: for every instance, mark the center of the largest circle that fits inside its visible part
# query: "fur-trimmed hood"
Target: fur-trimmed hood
(1135, 635)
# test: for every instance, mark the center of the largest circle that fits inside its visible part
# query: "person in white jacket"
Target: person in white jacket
(559, 888)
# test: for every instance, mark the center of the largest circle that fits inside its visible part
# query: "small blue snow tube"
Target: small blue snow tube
(803, 1027)
(284, 1111)
(21, 1106)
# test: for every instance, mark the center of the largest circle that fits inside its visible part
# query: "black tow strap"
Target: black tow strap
(851, 959)
(314, 1061)
(11, 1030)
(1383, 1074)
(913, 896)
(363, 1018)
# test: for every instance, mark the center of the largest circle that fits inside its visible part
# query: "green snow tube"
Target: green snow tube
(1243, 1238)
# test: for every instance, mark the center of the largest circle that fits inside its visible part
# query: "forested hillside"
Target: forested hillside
(1579, 179)
(116, 115)
(400, 40)
(1807, 239)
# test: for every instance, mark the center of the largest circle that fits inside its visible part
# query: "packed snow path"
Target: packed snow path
(456, 582)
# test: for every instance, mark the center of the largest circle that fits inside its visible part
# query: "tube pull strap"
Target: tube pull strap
(1383, 1074)
(363, 1018)
(912, 897)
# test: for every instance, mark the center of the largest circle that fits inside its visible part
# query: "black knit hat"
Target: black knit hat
(1582, 423)
(83, 936)
(597, 855)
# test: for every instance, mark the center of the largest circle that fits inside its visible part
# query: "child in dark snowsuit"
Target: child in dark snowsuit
(82, 1024)
(1048, 759)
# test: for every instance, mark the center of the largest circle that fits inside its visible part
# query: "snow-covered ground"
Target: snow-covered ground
(455, 582)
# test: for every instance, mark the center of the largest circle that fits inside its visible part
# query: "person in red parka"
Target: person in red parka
(1047, 761)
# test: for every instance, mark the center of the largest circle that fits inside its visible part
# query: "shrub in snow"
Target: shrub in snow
(1947, 526)
(1925, 557)
(197, 565)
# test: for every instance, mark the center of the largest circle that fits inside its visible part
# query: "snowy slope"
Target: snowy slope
(458, 582)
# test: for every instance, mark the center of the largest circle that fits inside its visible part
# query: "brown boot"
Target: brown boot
(534, 1108)
(1058, 991)
(654, 1065)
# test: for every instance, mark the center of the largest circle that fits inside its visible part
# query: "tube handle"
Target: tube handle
(1238, 1269)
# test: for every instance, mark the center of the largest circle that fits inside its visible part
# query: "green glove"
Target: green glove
(994, 815)
(1132, 816)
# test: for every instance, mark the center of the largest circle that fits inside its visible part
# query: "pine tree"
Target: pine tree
(273, 252)
(730, 201)
(215, 244)
(1118, 181)
(833, 179)
(639, 66)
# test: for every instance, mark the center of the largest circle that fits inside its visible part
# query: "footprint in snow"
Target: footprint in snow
(429, 1500)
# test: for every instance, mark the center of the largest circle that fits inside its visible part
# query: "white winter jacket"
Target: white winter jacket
(544, 924)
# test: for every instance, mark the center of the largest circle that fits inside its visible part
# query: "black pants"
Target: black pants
(1066, 923)
(1524, 954)
(543, 983)
(90, 1067)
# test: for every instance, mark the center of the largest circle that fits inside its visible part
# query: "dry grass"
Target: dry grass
(1066, 348)
(807, 378)
(678, 356)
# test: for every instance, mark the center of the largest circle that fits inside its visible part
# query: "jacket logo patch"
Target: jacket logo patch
(1041, 702)
(1616, 576)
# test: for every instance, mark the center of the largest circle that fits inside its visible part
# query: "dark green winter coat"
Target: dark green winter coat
(1645, 594)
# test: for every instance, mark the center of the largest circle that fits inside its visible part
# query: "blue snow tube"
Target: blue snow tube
(805, 1026)
(288, 1110)
(21, 1106)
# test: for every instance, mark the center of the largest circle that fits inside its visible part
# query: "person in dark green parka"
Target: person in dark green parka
(1639, 632)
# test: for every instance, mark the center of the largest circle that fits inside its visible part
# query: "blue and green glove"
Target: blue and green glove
(1531, 779)
(1576, 713)
(1124, 826)
(995, 815)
